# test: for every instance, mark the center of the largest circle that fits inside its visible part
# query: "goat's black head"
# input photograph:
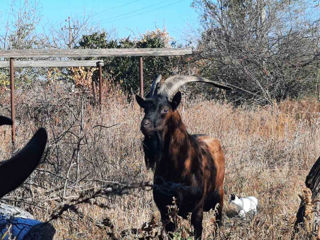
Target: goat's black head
(157, 112)
(157, 109)
(163, 101)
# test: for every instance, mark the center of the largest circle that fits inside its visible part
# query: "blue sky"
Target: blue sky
(122, 17)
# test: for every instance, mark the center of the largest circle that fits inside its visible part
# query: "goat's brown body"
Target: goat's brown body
(196, 164)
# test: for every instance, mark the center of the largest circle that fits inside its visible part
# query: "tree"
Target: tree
(267, 49)
(20, 33)
(20, 28)
(70, 32)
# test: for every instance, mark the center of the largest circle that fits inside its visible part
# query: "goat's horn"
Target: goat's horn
(14, 171)
(154, 86)
(5, 121)
(172, 84)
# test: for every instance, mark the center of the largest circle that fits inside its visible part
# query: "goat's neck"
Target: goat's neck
(176, 141)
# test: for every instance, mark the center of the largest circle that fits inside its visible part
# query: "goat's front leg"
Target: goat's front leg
(167, 224)
(196, 221)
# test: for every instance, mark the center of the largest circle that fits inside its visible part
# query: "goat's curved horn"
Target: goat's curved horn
(172, 84)
(14, 171)
(154, 87)
(5, 121)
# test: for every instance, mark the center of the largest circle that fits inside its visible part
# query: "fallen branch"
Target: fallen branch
(119, 189)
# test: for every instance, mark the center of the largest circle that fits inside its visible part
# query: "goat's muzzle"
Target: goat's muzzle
(147, 127)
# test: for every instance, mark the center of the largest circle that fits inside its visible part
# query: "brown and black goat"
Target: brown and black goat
(188, 167)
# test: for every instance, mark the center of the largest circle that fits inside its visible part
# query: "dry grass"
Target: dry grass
(269, 151)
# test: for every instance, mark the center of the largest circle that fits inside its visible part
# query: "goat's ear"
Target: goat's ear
(176, 101)
(140, 101)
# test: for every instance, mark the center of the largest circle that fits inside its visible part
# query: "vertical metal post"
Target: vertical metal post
(100, 81)
(93, 85)
(141, 76)
(13, 112)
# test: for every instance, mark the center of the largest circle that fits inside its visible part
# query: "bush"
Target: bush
(266, 49)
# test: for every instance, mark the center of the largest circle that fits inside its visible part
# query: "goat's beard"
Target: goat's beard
(152, 146)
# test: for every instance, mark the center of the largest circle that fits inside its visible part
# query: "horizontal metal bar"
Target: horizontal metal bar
(105, 52)
(53, 63)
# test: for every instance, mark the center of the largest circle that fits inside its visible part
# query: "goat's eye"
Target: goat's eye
(165, 109)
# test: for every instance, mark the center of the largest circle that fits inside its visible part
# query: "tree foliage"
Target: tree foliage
(19, 32)
(267, 48)
(125, 70)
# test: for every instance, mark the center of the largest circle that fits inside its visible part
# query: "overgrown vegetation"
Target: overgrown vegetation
(269, 150)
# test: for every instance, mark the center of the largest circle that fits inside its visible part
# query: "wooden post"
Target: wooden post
(13, 112)
(141, 76)
(100, 81)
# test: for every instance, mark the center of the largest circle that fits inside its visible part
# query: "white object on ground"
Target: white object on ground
(244, 204)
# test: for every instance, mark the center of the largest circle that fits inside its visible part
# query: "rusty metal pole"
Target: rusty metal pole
(141, 76)
(100, 81)
(13, 112)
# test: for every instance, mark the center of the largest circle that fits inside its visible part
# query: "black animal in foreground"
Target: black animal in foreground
(13, 172)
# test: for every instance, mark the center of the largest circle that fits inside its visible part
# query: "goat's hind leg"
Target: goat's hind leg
(220, 207)
(215, 201)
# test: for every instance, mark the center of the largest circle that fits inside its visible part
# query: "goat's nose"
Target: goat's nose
(146, 122)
